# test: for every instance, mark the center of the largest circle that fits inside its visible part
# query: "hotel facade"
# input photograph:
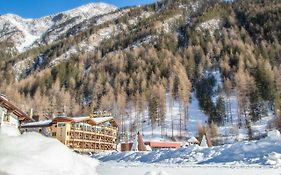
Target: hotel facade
(81, 134)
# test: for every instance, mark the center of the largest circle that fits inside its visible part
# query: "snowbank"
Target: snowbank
(34, 154)
(113, 168)
(9, 131)
(261, 152)
(155, 173)
(274, 135)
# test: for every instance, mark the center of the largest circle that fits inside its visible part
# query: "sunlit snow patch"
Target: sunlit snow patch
(34, 154)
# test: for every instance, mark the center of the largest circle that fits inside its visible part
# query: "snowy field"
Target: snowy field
(142, 169)
(257, 157)
(33, 154)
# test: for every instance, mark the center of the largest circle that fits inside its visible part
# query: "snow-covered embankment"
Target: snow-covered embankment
(265, 152)
(34, 154)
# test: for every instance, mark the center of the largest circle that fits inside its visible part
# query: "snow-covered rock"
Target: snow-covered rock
(34, 154)
(210, 25)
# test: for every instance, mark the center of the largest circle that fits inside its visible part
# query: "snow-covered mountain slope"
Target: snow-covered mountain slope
(25, 33)
(229, 132)
(172, 122)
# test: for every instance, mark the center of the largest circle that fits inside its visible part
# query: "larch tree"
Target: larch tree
(153, 111)
(121, 105)
(277, 97)
(142, 103)
(184, 89)
(246, 86)
(171, 101)
(265, 80)
(228, 90)
(162, 107)
(107, 100)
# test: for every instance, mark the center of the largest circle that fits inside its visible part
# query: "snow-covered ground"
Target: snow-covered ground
(34, 154)
(172, 121)
(230, 131)
(261, 157)
(260, 153)
(155, 169)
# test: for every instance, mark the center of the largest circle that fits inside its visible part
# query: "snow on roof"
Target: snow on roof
(101, 119)
(79, 119)
(192, 140)
(97, 120)
(5, 103)
(73, 119)
(39, 123)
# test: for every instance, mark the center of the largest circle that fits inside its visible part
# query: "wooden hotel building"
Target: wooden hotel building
(82, 134)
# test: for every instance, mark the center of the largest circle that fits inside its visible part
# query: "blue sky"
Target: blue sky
(39, 8)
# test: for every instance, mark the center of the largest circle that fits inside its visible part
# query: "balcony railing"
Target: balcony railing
(103, 131)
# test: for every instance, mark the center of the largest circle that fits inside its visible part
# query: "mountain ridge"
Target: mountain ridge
(25, 33)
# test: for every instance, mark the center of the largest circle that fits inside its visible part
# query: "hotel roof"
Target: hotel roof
(92, 121)
(22, 116)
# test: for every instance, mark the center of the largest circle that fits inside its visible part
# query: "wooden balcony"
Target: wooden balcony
(92, 140)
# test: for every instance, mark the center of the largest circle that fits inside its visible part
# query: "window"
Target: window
(54, 134)
(6, 118)
(61, 124)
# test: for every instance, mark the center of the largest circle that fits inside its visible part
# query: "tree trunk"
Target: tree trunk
(180, 120)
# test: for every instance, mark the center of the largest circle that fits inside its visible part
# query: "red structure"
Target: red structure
(152, 144)
(160, 145)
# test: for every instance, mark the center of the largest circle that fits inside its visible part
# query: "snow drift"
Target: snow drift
(34, 154)
(9, 131)
(261, 152)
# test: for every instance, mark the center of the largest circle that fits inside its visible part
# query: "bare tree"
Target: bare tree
(246, 85)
